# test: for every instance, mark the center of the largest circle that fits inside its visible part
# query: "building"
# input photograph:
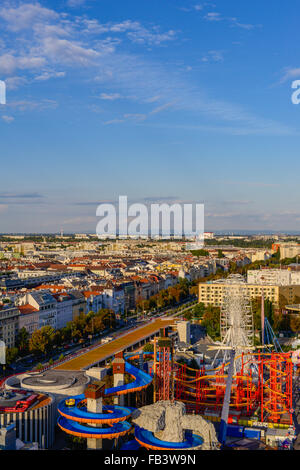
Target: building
(78, 305)
(34, 421)
(212, 293)
(29, 318)
(114, 299)
(184, 332)
(64, 309)
(289, 250)
(273, 276)
(46, 305)
(9, 325)
(94, 301)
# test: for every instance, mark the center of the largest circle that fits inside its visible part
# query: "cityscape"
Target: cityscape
(132, 320)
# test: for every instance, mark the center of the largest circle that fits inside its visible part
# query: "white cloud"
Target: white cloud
(7, 119)
(163, 107)
(25, 105)
(10, 63)
(213, 56)
(135, 116)
(153, 99)
(114, 121)
(25, 16)
(51, 74)
(213, 16)
(68, 52)
(134, 31)
(290, 73)
(13, 83)
(110, 97)
(76, 3)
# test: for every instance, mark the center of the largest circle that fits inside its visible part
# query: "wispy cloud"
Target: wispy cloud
(7, 119)
(48, 75)
(76, 3)
(232, 21)
(110, 96)
(213, 56)
(163, 107)
(290, 73)
(51, 43)
(29, 105)
(213, 16)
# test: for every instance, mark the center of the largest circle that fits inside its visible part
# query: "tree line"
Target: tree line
(45, 339)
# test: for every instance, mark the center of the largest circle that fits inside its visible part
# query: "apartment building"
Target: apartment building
(114, 299)
(289, 250)
(212, 293)
(64, 309)
(29, 318)
(79, 303)
(273, 276)
(9, 325)
(46, 305)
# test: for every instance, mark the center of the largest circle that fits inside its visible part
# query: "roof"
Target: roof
(27, 309)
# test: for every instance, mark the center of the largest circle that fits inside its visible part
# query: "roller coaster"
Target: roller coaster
(263, 392)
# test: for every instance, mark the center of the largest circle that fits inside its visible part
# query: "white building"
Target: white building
(46, 305)
(114, 299)
(282, 277)
(64, 309)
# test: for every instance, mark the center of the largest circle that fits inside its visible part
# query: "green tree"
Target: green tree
(199, 310)
(42, 340)
(11, 355)
(23, 340)
(200, 253)
(211, 321)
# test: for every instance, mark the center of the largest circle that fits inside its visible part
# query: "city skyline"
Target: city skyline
(184, 101)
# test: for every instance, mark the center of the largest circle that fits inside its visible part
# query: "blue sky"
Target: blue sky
(164, 99)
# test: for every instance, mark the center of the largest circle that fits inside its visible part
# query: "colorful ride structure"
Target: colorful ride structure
(261, 385)
(261, 394)
(85, 416)
(265, 394)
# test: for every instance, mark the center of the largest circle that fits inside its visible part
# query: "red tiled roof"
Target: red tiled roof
(27, 309)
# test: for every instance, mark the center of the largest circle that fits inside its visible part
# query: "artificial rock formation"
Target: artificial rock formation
(168, 421)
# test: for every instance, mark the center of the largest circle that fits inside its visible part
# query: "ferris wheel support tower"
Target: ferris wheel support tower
(236, 320)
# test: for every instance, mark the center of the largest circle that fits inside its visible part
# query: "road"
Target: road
(102, 352)
(23, 365)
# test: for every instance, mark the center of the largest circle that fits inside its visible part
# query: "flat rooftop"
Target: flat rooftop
(109, 349)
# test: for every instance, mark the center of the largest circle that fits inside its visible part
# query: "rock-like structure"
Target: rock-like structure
(168, 421)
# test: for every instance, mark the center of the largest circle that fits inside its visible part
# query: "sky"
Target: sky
(160, 100)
